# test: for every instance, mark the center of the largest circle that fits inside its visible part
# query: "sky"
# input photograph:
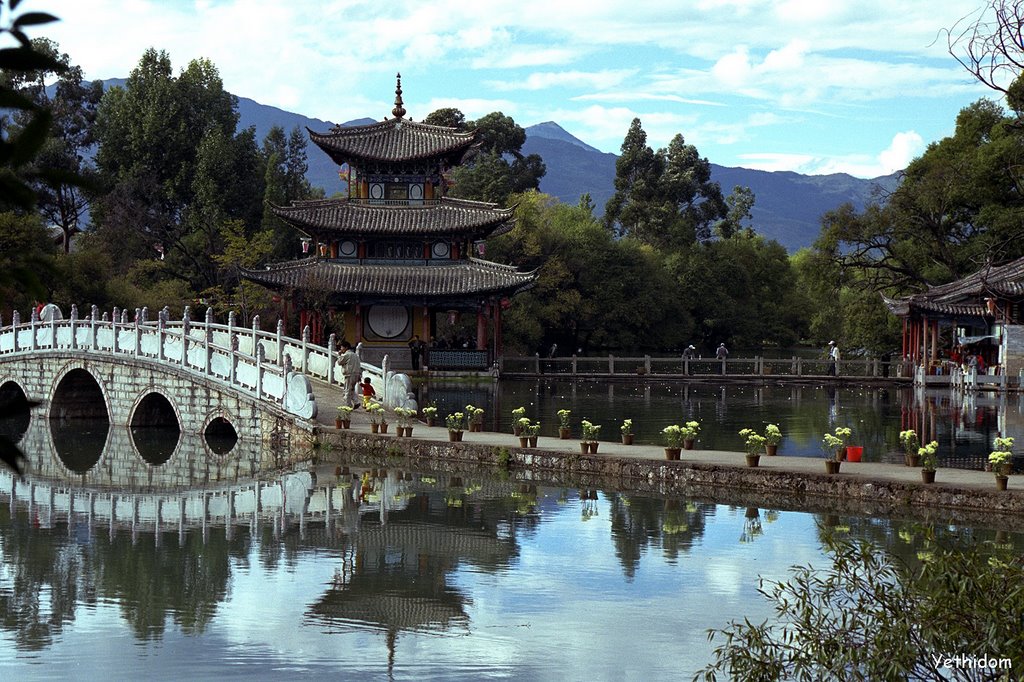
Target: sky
(812, 86)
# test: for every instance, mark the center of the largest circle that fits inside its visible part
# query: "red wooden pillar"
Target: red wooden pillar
(481, 328)
(904, 355)
(359, 324)
(497, 329)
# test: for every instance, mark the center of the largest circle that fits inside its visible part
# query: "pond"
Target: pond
(387, 574)
(964, 425)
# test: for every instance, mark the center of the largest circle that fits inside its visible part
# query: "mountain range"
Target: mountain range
(788, 206)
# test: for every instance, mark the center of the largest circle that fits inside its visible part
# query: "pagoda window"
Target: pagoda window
(347, 249)
(395, 250)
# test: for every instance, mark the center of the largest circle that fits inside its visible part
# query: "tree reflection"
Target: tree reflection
(642, 522)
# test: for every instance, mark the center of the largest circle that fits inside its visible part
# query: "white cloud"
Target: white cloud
(579, 79)
(903, 149)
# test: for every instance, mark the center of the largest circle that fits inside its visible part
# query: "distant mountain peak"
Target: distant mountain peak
(553, 131)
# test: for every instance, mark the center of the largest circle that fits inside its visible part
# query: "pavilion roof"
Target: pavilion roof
(441, 217)
(393, 140)
(447, 279)
(964, 297)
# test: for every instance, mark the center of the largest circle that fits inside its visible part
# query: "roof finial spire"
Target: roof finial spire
(399, 110)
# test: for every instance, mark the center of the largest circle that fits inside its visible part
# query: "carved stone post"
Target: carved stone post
(305, 348)
(280, 341)
(330, 359)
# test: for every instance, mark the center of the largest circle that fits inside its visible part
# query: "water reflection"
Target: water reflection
(963, 424)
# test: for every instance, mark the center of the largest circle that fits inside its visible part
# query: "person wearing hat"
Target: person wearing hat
(833, 358)
(721, 354)
(688, 354)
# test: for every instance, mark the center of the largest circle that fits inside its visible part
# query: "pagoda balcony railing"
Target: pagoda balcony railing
(396, 202)
(419, 262)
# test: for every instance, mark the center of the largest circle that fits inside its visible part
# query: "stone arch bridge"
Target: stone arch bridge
(238, 383)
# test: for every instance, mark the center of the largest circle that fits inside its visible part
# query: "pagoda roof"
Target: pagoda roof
(433, 218)
(392, 141)
(964, 297)
(448, 279)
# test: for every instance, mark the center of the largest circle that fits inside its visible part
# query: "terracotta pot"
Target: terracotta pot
(627, 439)
(374, 427)
(524, 442)
(593, 447)
(912, 460)
(454, 436)
(430, 421)
(832, 466)
(1001, 482)
(517, 430)
(476, 428)
(383, 427)
(672, 453)
(927, 476)
(564, 432)
(688, 444)
(584, 448)
(408, 432)
(533, 441)
(771, 450)
(753, 460)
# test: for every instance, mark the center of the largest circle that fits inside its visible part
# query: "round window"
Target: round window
(388, 321)
(440, 249)
(347, 249)
(376, 191)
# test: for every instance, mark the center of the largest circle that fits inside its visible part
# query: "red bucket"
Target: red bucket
(853, 453)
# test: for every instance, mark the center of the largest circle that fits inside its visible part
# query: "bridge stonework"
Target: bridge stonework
(125, 382)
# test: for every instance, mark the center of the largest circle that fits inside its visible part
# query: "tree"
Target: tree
(874, 616)
(665, 198)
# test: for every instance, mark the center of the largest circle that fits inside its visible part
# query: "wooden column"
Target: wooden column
(481, 328)
(497, 330)
(359, 324)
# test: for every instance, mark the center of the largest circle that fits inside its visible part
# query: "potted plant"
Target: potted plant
(517, 416)
(999, 461)
(772, 438)
(910, 444)
(405, 416)
(834, 446)
(690, 431)
(588, 440)
(522, 429)
(563, 424)
(378, 420)
(673, 440)
(627, 431)
(928, 461)
(430, 414)
(344, 418)
(531, 432)
(455, 421)
(475, 418)
(754, 443)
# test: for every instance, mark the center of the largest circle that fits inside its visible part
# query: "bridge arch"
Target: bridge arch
(219, 434)
(79, 419)
(15, 426)
(155, 428)
(76, 395)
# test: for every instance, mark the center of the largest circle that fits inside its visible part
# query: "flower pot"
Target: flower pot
(771, 450)
(455, 436)
(832, 466)
(1001, 482)
(517, 430)
(912, 460)
(927, 476)
(337, 422)
(383, 427)
(627, 439)
(593, 447)
(563, 432)
(854, 453)
(476, 428)
(430, 421)
(374, 427)
(688, 444)
(672, 453)
(408, 432)
(752, 460)
(524, 442)
(533, 441)
(584, 448)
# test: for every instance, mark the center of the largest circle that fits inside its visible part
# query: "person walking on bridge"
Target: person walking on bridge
(351, 372)
(833, 358)
(722, 353)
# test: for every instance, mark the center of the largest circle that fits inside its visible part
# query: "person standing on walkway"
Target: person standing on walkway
(416, 350)
(833, 358)
(722, 353)
(351, 372)
(688, 355)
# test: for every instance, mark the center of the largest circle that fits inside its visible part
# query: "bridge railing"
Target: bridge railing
(188, 346)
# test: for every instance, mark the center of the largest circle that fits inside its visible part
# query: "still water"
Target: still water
(370, 574)
(963, 424)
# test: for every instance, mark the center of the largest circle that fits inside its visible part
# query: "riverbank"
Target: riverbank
(799, 483)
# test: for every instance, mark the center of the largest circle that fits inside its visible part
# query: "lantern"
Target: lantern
(305, 244)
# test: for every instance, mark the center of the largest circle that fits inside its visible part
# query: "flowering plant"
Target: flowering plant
(627, 427)
(835, 444)
(344, 411)
(772, 435)
(429, 412)
(754, 441)
(927, 453)
(376, 412)
(474, 414)
(909, 441)
(563, 418)
(690, 430)
(673, 435)
(404, 415)
(589, 430)
(518, 413)
(531, 430)
(455, 421)
(523, 423)
(999, 459)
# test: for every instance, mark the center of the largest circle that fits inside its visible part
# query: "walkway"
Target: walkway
(865, 471)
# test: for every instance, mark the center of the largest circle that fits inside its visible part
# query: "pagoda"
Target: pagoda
(396, 257)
